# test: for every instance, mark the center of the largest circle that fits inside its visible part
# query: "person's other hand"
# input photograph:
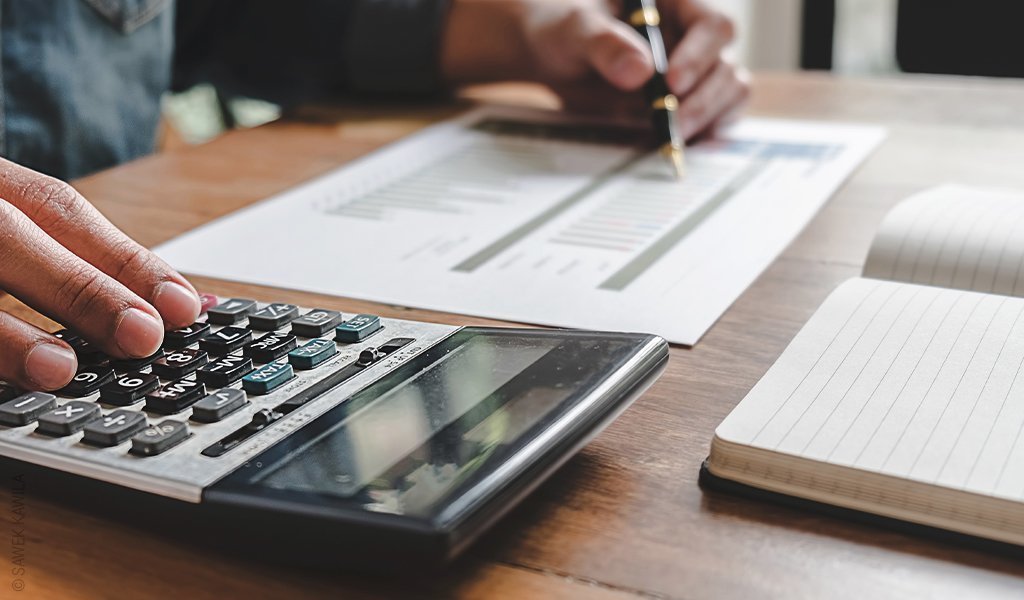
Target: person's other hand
(60, 256)
(593, 60)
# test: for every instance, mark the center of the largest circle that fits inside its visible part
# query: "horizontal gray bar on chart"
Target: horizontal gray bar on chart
(636, 267)
(526, 229)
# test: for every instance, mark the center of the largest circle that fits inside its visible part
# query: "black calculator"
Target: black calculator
(363, 437)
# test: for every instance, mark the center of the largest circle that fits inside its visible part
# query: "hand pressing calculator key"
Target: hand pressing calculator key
(365, 438)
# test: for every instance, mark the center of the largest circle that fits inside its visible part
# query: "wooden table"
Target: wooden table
(625, 518)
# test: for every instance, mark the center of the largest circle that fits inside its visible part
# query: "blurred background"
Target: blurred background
(847, 37)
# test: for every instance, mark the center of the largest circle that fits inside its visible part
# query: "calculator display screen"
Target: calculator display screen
(405, 443)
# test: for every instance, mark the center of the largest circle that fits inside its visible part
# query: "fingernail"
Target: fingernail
(50, 366)
(176, 303)
(138, 334)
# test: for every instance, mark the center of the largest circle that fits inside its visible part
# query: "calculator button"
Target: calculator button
(225, 370)
(230, 312)
(357, 328)
(316, 323)
(67, 419)
(177, 364)
(186, 336)
(267, 378)
(206, 302)
(270, 347)
(175, 397)
(218, 405)
(129, 388)
(273, 316)
(159, 438)
(226, 340)
(26, 409)
(87, 381)
(312, 353)
(8, 392)
(134, 364)
(88, 354)
(114, 428)
(67, 336)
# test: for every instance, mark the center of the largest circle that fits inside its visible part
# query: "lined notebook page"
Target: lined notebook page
(953, 236)
(912, 381)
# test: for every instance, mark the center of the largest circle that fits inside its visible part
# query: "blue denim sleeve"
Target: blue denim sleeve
(310, 50)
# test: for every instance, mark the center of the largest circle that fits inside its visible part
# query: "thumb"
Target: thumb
(616, 51)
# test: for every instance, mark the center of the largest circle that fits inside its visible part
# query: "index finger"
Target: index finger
(59, 210)
(694, 56)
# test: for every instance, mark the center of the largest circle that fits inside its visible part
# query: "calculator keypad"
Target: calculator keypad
(193, 411)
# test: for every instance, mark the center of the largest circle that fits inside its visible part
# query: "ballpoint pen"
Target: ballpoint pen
(643, 16)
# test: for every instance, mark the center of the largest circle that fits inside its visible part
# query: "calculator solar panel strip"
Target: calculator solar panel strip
(205, 478)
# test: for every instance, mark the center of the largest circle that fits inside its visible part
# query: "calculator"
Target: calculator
(364, 437)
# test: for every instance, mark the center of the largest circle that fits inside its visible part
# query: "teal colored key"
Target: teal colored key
(312, 354)
(267, 378)
(357, 328)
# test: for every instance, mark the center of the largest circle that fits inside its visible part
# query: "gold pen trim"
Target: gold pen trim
(645, 16)
(666, 102)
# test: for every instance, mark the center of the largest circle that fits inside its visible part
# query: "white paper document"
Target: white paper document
(528, 216)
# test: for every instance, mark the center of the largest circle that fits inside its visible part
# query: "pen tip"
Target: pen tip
(676, 156)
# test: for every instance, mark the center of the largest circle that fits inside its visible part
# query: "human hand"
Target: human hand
(60, 256)
(593, 60)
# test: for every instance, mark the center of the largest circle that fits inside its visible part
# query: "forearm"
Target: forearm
(483, 41)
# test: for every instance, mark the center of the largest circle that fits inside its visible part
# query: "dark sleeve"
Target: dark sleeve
(309, 50)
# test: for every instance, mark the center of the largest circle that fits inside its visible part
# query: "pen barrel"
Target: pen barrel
(643, 16)
(663, 110)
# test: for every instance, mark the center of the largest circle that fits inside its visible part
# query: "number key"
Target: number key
(226, 340)
(186, 336)
(87, 381)
(180, 363)
(129, 388)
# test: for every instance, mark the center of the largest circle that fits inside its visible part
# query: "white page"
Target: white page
(953, 236)
(912, 381)
(529, 228)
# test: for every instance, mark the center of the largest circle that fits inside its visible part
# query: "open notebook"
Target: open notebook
(903, 396)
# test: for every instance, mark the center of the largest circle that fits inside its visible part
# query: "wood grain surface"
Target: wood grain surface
(625, 518)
